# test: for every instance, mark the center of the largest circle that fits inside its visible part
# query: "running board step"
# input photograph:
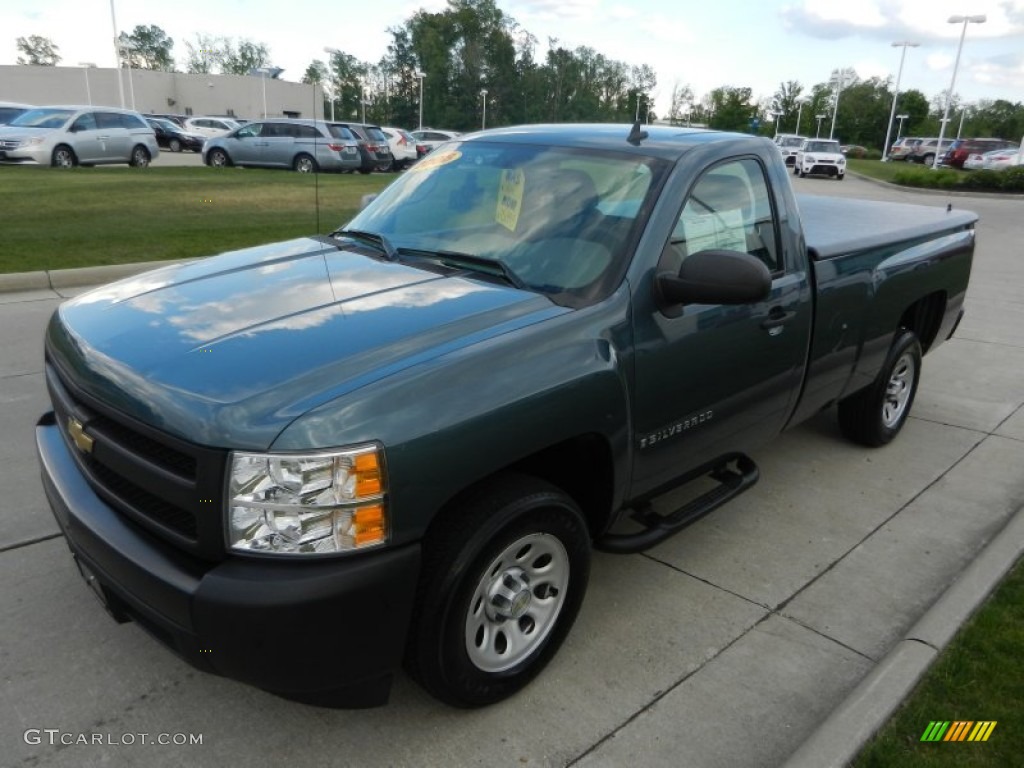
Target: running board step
(735, 474)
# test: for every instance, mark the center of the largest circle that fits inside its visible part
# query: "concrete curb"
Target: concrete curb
(56, 279)
(842, 735)
(947, 192)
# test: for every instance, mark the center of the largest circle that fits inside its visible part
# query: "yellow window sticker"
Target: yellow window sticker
(435, 159)
(510, 198)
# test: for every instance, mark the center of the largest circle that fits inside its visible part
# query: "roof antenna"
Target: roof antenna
(636, 135)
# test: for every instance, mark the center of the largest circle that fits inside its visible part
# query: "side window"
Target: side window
(107, 120)
(133, 122)
(728, 209)
(307, 132)
(86, 122)
(249, 131)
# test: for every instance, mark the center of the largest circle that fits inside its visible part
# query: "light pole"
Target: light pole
(963, 114)
(776, 115)
(835, 107)
(362, 100)
(131, 83)
(419, 75)
(965, 20)
(888, 128)
(799, 113)
(483, 121)
(88, 91)
(332, 51)
(117, 54)
(819, 118)
(899, 128)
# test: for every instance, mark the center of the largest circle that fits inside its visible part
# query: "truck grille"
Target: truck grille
(167, 485)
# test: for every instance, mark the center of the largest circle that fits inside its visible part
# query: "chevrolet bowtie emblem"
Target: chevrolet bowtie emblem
(77, 432)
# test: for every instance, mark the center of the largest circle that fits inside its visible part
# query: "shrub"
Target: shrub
(981, 180)
(873, 154)
(1012, 179)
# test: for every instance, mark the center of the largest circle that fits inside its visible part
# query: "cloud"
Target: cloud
(896, 19)
(1005, 72)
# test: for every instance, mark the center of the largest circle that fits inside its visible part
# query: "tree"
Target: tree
(731, 108)
(247, 57)
(147, 48)
(39, 51)
(206, 55)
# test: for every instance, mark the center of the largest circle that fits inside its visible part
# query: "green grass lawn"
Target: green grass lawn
(980, 676)
(90, 216)
(876, 169)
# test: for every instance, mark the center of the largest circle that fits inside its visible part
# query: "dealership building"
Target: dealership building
(151, 91)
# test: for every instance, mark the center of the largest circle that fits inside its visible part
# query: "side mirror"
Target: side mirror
(366, 200)
(716, 277)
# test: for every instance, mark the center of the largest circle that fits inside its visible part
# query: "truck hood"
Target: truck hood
(229, 350)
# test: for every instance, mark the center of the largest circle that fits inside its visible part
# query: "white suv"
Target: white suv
(821, 156)
(211, 126)
(403, 147)
(432, 138)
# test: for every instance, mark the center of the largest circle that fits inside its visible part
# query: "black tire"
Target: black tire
(928, 160)
(875, 415)
(63, 157)
(510, 561)
(366, 171)
(174, 145)
(840, 176)
(140, 157)
(304, 164)
(796, 171)
(218, 158)
(803, 173)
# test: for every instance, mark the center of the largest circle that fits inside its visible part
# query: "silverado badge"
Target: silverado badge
(77, 432)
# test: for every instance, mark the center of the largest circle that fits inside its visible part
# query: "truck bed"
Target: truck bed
(837, 225)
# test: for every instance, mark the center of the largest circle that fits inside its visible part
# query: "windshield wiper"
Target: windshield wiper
(483, 264)
(373, 237)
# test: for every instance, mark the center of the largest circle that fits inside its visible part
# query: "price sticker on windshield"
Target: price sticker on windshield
(510, 198)
(436, 159)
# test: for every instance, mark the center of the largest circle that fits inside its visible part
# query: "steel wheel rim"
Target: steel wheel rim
(63, 158)
(141, 158)
(516, 602)
(304, 165)
(898, 389)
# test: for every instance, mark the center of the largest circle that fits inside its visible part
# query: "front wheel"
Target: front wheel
(63, 157)
(304, 164)
(174, 145)
(803, 173)
(504, 576)
(218, 158)
(875, 415)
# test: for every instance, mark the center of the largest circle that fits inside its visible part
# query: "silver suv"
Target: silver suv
(68, 136)
(305, 145)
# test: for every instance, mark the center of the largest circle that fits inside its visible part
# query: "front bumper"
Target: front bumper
(327, 632)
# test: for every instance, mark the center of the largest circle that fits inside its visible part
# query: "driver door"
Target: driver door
(713, 379)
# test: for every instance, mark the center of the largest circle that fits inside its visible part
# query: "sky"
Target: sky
(748, 43)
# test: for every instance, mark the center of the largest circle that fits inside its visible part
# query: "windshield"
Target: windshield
(562, 221)
(822, 146)
(44, 118)
(793, 141)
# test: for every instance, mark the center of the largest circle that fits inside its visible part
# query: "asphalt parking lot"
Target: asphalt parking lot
(725, 646)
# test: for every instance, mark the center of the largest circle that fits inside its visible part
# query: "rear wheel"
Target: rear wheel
(876, 414)
(140, 157)
(928, 160)
(504, 576)
(174, 145)
(63, 157)
(304, 164)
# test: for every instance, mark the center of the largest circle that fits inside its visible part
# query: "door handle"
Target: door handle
(776, 317)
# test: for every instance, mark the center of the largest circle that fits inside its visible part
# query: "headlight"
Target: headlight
(842, 161)
(307, 504)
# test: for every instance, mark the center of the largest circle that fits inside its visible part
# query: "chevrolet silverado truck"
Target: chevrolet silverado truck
(306, 464)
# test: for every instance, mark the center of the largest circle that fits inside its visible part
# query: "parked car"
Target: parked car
(432, 138)
(923, 151)
(976, 161)
(821, 157)
(373, 147)
(304, 145)
(961, 149)
(403, 440)
(178, 120)
(173, 137)
(789, 145)
(1001, 159)
(10, 110)
(65, 136)
(211, 126)
(901, 148)
(403, 147)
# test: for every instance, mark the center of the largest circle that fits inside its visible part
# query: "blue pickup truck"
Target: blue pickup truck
(304, 464)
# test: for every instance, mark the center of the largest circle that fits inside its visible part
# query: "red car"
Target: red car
(961, 149)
